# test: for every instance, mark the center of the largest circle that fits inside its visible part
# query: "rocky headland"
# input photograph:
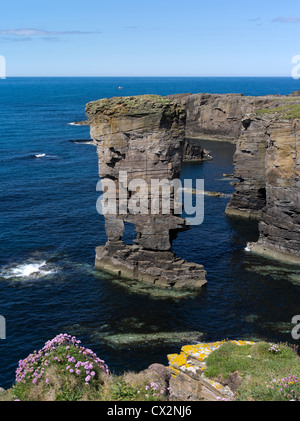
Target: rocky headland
(266, 132)
(150, 136)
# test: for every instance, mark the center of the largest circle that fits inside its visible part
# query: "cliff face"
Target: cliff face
(266, 132)
(249, 167)
(267, 162)
(151, 141)
(280, 218)
(216, 116)
(144, 137)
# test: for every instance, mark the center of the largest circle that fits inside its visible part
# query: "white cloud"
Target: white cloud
(291, 19)
(30, 33)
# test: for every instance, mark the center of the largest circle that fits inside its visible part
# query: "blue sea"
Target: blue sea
(49, 228)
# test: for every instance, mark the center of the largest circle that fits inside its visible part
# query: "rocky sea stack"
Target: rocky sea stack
(144, 137)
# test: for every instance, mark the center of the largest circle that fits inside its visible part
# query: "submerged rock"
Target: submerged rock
(146, 339)
(206, 193)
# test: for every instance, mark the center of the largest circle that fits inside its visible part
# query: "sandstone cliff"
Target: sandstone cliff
(266, 132)
(279, 167)
(143, 137)
(219, 116)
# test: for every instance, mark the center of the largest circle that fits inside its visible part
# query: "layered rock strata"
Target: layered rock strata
(267, 162)
(142, 137)
(194, 152)
(279, 224)
(214, 116)
(222, 116)
(266, 132)
(188, 380)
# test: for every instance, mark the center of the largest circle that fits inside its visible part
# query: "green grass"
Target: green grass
(288, 111)
(261, 370)
(63, 370)
(266, 374)
(139, 101)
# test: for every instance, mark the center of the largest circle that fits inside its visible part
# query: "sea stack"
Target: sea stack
(144, 138)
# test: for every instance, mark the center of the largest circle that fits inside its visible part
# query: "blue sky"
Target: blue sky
(149, 38)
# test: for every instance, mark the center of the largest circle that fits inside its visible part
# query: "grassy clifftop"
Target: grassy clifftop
(286, 111)
(129, 105)
(262, 372)
(63, 370)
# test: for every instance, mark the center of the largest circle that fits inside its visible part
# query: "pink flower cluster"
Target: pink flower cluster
(33, 367)
(289, 387)
(274, 348)
(153, 390)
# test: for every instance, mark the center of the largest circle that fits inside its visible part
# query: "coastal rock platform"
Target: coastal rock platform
(188, 381)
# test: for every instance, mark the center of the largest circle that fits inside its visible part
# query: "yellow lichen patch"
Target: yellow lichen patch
(174, 371)
(187, 365)
(216, 385)
(178, 359)
(201, 351)
(242, 343)
(201, 357)
(183, 362)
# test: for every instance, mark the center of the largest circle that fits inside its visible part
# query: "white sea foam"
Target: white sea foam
(27, 270)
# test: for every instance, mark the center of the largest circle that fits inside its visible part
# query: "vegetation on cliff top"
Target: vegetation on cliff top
(267, 372)
(140, 104)
(63, 370)
(286, 111)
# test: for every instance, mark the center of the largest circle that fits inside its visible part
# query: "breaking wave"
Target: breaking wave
(27, 270)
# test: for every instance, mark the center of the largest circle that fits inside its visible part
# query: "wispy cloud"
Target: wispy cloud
(28, 34)
(12, 39)
(131, 28)
(290, 19)
(256, 21)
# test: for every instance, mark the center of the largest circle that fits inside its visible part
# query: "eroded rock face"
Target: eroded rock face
(267, 162)
(221, 117)
(279, 225)
(214, 116)
(147, 138)
(143, 137)
(266, 132)
(249, 167)
(194, 152)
